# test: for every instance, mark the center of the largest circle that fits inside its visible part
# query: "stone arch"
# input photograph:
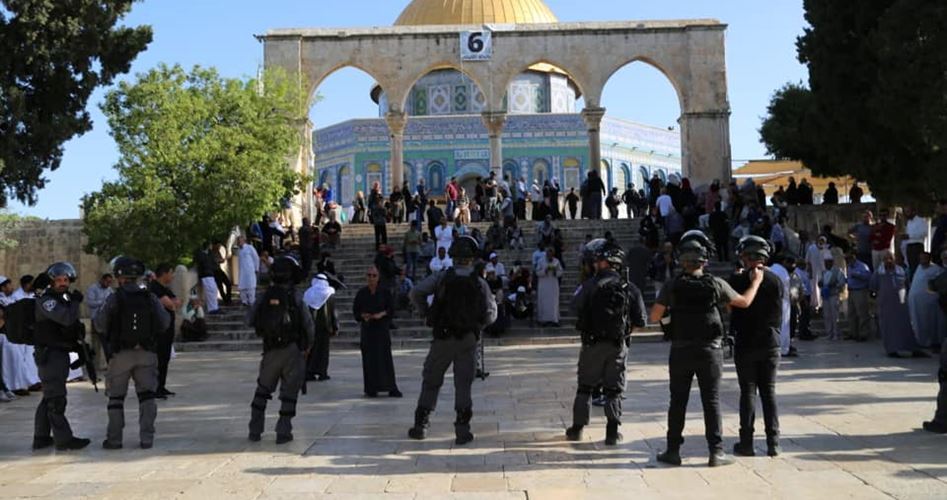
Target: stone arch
(345, 185)
(681, 96)
(622, 176)
(375, 173)
(435, 177)
(314, 80)
(505, 78)
(645, 177)
(541, 171)
(512, 169)
(442, 65)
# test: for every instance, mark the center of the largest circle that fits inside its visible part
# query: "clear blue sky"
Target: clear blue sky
(760, 58)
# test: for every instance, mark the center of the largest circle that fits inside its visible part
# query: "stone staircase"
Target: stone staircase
(227, 331)
(356, 253)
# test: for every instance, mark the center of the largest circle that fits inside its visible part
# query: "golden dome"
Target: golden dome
(426, 12)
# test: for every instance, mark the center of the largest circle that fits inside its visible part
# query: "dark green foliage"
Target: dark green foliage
(55, 53)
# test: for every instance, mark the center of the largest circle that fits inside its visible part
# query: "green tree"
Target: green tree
(876, 103)
(199, 155)
(55, 54)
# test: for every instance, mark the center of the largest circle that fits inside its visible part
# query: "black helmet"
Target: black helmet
(464, 248)
(695, 244)
(127, 267)
(606, 250)
(755, 246)
(286, 269)
(591, 250)
(62, 269)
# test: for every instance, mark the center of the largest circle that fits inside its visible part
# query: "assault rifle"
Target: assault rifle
(86, 357)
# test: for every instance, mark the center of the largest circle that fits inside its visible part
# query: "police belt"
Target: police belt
(444, 334)
(591, 338)
(685, 344)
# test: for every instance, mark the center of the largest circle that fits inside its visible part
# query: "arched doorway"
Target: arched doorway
(346, 186)
(435, 178)
(541, 171)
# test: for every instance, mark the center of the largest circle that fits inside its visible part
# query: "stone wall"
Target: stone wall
(841, 217)
(41, 243)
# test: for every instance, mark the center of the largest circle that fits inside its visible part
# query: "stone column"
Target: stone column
(495, 121)
(593, 120)
(397, 120)
(302, 204)
(705, 143)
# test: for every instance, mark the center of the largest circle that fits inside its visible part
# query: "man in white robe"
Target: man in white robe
(548, 272)
(19, 368)
(816, 263)
(249, 265)
(927, 318)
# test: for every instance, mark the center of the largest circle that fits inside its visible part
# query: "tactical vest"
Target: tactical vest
(695, 315)
(758, 326)
(606, 318)
(134, 322)
(48, 333)
(458, 307)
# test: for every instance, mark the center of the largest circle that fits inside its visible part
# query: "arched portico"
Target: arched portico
(690, 53)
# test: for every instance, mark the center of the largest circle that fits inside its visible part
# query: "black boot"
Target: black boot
(744, 449)
(719, 458)
(574, 433)
(462, 427)
(421, 423)
(671, 457)
(612, 436)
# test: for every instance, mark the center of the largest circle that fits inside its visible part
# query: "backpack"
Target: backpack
(20, 319)
(134, 322)
(277, 321)
(608, 314)
(458, 306)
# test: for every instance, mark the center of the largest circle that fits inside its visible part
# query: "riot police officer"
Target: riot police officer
(56, 333)
(694, 300)
(462, 307)
(756, 352)
(132, 319)
(281, 319)
(608, 308)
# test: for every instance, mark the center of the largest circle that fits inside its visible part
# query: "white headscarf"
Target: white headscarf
(319, 292)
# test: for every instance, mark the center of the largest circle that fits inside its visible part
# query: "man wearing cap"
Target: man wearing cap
(462, 307)
(134, 321)
(759, 329)
(694, 300)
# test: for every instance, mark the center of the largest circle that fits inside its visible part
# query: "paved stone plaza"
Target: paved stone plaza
(850, 419)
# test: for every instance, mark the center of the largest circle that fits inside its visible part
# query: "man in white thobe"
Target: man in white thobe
(249, 265)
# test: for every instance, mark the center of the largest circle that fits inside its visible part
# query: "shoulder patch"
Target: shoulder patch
(49, 305)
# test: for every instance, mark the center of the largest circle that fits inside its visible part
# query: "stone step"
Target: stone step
(342, 343)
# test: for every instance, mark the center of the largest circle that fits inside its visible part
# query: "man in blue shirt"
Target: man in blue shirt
(859, 276)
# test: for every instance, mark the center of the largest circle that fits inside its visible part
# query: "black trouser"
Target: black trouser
(318, 362)
(163, 349)
(53, 367)
(600, 364)
(940, 416)
(723, 248)
(381, 235)
(800, 318)
(756, 372)
(223, 284)
(706, 362)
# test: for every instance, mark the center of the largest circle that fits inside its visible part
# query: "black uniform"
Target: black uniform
(56, 331)
(756, 354)
(605, 340)
(283, 363)
(165, 340)
(939, 423)
(457, 347)
(696, 349)
(325, 323)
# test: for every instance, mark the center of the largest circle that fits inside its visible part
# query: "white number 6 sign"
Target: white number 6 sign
(476, 45)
